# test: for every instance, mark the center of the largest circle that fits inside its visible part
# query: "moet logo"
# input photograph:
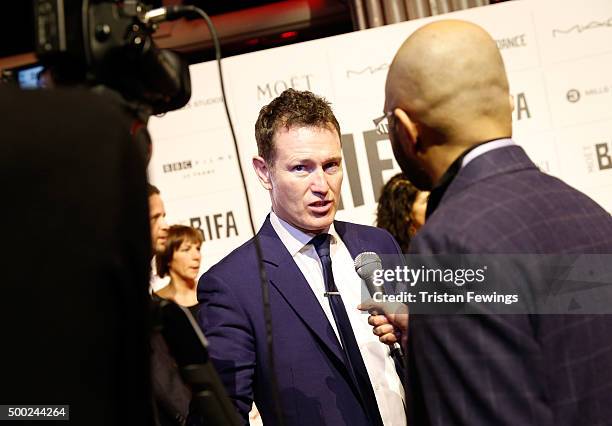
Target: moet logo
(273, 89)
(600, 154)
(587, 152)
(215, 224)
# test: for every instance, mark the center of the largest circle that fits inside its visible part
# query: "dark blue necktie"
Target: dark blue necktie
(354, 361)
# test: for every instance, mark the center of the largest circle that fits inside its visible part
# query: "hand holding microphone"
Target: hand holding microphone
(390, 320)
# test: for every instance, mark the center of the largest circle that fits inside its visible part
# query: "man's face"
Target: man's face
(159, 227)
(306, 176)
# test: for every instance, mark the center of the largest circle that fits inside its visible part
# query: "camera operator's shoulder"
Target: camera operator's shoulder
(62, 113)
(59, 101)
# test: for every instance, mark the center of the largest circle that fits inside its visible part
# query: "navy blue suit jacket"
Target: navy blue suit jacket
(511, 369)
(314, 385)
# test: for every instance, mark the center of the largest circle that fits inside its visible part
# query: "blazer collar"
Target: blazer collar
(286, 277)
(504, 160)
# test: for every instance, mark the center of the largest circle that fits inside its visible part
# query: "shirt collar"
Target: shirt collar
(482, 148)
(466, 156)
(294, 239)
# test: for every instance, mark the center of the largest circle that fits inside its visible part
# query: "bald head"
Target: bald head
(449, 77)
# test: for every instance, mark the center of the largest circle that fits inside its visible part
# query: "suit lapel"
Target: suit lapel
(287, 278)
(505, 160)
(350, 238)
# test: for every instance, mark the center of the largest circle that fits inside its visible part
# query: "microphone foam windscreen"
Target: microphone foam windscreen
(366, 263)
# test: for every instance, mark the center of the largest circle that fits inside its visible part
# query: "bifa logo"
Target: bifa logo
(521, 108)
(603, 155)
(598, 157)
(215, 226)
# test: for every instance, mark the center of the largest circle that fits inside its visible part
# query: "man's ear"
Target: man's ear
(263, 172)
(411, 128)
(511, 99)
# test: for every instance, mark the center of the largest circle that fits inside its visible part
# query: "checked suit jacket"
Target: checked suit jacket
(511, 369)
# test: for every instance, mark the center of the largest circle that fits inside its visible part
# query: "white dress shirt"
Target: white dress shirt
(380, 366)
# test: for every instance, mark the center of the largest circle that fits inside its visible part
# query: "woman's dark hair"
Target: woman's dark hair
(177, 235)
(394, 208)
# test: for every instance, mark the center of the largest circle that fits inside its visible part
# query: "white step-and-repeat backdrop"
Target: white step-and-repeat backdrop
(558, 54)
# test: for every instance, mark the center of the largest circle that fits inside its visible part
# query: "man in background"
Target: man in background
(159, 232)
(450, 125)
(157, 219)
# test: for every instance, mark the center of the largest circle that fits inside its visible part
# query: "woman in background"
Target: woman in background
(401, 209)
(181, 261)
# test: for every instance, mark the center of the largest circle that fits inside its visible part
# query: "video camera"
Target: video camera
(109, 43)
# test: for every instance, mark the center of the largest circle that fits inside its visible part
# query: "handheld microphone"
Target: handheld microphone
(365, 265)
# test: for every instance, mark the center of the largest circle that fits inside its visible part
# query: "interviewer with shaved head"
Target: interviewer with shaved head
(450, 125)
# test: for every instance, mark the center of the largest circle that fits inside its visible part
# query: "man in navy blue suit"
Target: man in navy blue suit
(330, 368)
(450, 125)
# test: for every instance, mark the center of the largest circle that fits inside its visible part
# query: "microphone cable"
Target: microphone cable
(175, 12)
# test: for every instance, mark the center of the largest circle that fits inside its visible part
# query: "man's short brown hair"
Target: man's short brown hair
(152, 190)
(292, 108)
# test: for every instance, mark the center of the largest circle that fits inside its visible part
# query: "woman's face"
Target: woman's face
(419, 206)
(186, 260)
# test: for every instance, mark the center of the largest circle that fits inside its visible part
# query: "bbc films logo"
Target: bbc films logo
(197, 168)
(575, 95)
(581, 28)
(177, 166)
(513, 42)
(598, 157)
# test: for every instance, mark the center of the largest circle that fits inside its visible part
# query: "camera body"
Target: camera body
(109, 43)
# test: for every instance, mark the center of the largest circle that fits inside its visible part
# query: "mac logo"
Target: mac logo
(582, 28)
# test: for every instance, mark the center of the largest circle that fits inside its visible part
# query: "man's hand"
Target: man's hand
(390, 321)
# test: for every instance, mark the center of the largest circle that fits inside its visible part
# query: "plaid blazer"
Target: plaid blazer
(511, 369)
